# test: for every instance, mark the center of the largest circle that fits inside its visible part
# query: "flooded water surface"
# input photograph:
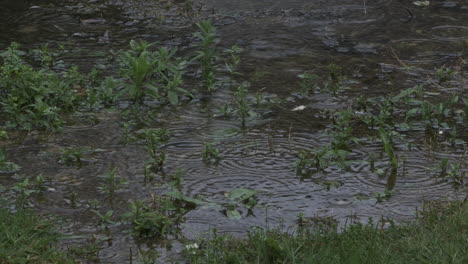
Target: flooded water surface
(379, 47)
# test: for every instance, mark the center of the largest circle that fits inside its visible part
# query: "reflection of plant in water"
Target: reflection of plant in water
(5, 165)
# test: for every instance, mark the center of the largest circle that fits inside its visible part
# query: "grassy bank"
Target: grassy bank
(439, 235)
(28, 238)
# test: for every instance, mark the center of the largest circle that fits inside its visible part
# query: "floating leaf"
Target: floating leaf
(241, 194)
(185, 198)
(422, 3)
(233, 214)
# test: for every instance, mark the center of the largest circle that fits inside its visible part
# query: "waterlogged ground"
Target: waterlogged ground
(382, 46)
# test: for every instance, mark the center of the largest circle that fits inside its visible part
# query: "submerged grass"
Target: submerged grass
(27, 238)
(439, 235)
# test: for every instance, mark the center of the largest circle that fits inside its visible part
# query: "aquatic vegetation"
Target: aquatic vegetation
(308, 83)
(105, 219)
(387, 143)
(443, 166)
(34, 98)
(339, 147)
(40, 183)
(302, 163)
(210, 153)
(456, 174)
(382, 196)
(113, 183)
(106, 93)
(149, 256)
(23, 191)
(341, 131)
(5, 165)
(152, 74)
(137, 67)
(153, 140)
(444, 74)
(241, 103)
(175, 180)
(71, 156)
(73, 198)
(156, 219)
(234, 60)
(207, 56)
(240, 196)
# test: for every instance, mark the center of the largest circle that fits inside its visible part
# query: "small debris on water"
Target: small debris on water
(299, 108)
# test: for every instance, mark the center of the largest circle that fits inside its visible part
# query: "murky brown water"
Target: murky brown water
(371, 40)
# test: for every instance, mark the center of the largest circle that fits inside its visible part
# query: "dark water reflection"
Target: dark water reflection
(373, 41)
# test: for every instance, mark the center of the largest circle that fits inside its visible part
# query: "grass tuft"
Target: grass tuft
(27, 238)
(439, 235)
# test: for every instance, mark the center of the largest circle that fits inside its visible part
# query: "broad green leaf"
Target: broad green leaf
(233, 214)
(173, 97)
(241, 194)
(187, 199)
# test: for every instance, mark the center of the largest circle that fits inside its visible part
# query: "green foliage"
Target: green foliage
(154, 138)
(438, 236)
(28, 238)
(387, 143)
(241, 103)
(207, 53)
(156, 219)
(106, 93)
(302, 163)
(155, 74)
(23, 191)
(307, 83)
(234, 60)
(444, 74)
(34, 98)
(5, 165)
(210, 153)
(105, 219)
(113, 182)
(72, 156)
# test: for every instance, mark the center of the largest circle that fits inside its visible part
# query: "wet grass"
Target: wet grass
(439, 235)
(28, 238)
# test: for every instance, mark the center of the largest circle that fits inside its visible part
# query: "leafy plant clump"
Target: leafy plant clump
(152, 74)
(34, 98)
